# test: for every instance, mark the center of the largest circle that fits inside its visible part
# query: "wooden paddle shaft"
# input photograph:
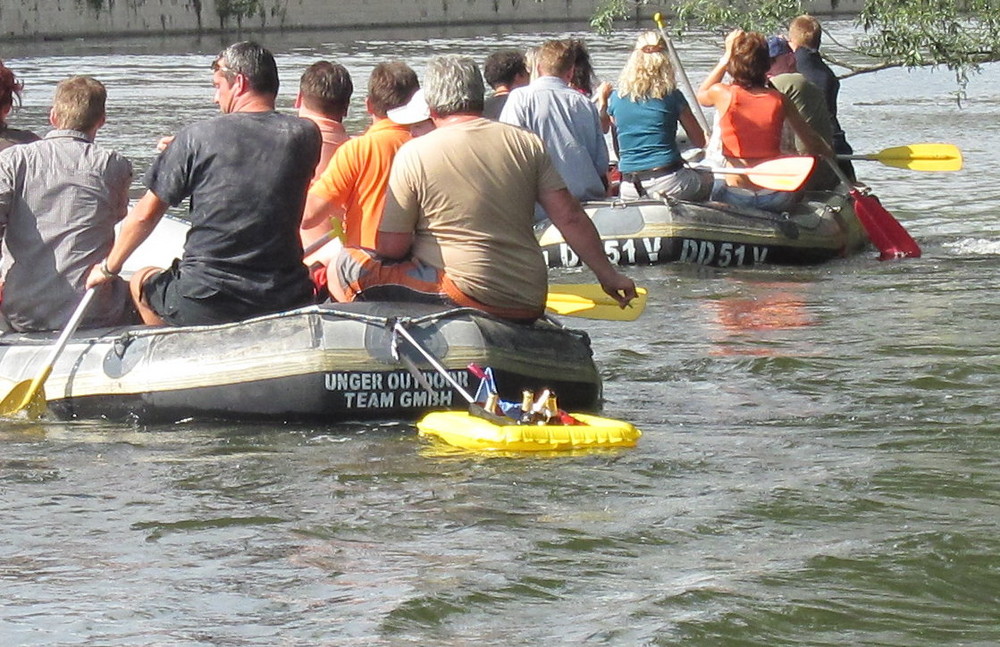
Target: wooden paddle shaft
(682, 75)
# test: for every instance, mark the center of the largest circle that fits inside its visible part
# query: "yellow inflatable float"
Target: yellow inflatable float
(462, 429)
(540, 424)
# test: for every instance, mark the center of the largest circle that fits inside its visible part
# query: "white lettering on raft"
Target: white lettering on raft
(377, 390)
(705, 252)
(652, 246)
(619, 252)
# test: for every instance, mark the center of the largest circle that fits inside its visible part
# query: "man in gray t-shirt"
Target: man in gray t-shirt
(60, 199)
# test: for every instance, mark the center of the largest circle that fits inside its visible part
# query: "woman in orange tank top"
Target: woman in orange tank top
(751, 118)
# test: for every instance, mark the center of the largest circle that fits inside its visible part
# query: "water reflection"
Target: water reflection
(819, 459)
(742, 322)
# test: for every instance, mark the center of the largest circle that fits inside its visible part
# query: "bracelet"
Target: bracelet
(106, 271)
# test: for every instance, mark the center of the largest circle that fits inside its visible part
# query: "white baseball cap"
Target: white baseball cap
(412, 113)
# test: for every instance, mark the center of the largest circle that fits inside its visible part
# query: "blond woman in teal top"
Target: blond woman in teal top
(646, 109)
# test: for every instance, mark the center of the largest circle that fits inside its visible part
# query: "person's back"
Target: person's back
(752, 119)
(808, 100)
(325, 90)
(504, 71)
(804, 36)
(646, 109)
(751, 126)
(60, 199)
(249, 172)
(476, 225)
(352, 187)
(246, 174)
(565, 119)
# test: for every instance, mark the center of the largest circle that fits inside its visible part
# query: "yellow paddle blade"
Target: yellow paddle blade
(27, 396)
(589, 301)
(918, 157)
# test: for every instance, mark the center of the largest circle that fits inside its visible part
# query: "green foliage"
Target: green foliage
(957, 34)
(714, 15)
(238, 9)
(767, 16)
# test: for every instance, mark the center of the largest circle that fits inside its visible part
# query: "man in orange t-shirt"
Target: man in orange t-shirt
(352, 188)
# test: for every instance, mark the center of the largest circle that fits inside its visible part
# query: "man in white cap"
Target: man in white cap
(415, 115)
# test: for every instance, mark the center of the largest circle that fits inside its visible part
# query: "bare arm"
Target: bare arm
(578, 231)
(693, 129)
(136, 227)
(711, 91)
(601, 100)
(319, 210)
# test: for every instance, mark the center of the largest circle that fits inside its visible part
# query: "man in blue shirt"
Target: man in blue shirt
(565, 119)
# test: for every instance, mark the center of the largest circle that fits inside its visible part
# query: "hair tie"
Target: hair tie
(653, 49)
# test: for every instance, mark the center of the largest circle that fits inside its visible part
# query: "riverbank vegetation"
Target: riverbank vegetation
(960, 35)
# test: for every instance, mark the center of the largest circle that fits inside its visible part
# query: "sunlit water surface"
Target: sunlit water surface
(819, 464)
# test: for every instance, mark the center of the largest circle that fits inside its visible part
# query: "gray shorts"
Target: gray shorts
(683, 184)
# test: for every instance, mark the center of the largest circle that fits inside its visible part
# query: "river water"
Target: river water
(819, 465)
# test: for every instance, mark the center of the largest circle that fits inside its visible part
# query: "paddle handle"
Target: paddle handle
(71, 326)
(405, 334)
(682, 76)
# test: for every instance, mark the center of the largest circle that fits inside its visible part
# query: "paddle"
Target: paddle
(29, 395)
(781, 174)
(699, 115)
(885, 232)
(916, 157)
(399, 329)
(589, 301)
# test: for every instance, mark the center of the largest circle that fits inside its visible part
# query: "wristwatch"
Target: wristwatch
(106, 271)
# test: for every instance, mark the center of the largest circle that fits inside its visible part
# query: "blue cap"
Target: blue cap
(777, 45)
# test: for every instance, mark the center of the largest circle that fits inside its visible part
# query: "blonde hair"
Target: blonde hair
(79, 103)
(805, 30)
(648, 74)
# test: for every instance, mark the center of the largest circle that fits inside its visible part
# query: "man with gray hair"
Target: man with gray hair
(457, 223)
(60, 199)
(246, 173)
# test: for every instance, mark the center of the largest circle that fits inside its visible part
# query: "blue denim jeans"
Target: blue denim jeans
(776, 201)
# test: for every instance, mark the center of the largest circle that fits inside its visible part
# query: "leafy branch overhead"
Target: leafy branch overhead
(957, 34)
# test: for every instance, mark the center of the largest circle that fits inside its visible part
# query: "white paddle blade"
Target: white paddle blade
(781, 174)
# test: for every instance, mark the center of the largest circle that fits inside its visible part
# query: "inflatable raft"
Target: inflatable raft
(325, 363)
(462, 429)
(647, 232)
